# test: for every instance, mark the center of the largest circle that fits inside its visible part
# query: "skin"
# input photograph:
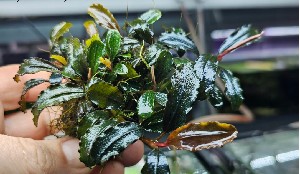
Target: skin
(23, 148)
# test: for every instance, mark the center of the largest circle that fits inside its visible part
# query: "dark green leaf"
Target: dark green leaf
(203, 135)
(151, 16)
(89, 138)
(156, 163)
(154, 123)
(105, 95)
(233, 90)
(185, 89)
(27, 86)
(215, 97)
(131, 74)
(238, 36)
(161, 98)
(113, 43)
(146, 104)
(206, 67)
(59, 30)
(129, 43)
(120, 69)
(180, 61)
(114, 140)
(130, 87)
(96, 50)
(153, 53)
(90, 120)
(77, 66)
(55, 78)
(142, 32)
(177, 39)
(54, 96)
(163, 66)
(103, 17)
(34, 65)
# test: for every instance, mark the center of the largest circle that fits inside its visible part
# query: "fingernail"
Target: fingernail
(70, 149)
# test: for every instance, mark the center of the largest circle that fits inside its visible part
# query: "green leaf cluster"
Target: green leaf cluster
(112, 88)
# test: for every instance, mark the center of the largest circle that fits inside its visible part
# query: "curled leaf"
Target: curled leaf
(91, 28)
(203, 135)
(103, 17)
(59, 30)
(34, 65)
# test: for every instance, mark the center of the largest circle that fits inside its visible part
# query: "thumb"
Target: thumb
(24, 155)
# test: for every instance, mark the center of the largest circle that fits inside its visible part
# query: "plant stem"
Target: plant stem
(149, 142)
(160, 136)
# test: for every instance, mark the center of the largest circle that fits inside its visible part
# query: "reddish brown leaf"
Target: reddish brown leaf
(203, 135)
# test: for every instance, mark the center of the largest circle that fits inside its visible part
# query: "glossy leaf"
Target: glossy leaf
(161, 98)
(129, 44)
(120, 69)
(95, 51)
(54, 96)
(55, 78)
(203, 135)
(242, 36)
(105, 95)
(142, 32)
(215, 97)
(90, 119)
(131, 74)
(156, 163)
(146, 104)
(77, 67)
(185, 86)
(153, 53)
(59, 58)
(151, 16)
(59, 30)
(177, 39)
(89, 138)
(103, 17)
(154, 123)
(34, 65)
(233, 90)
(114, 140)
(163, 67)
(181, 61)
(90, 28)
(206, 67)
(27, 86)
(89, 41)
(113, 43)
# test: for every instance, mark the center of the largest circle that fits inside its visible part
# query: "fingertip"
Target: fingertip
(132, 154)
(113, 166)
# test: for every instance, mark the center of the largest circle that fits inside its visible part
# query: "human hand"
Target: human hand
(23, 149)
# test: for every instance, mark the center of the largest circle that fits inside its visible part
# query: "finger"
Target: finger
(1, 118)
(11, 91)
(115, 166)
(21, 125)
(132, 154)
(40, 156)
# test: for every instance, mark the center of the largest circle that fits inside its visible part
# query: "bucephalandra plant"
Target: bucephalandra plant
(115, 87)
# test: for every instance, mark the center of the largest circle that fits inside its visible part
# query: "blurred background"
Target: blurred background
(268, 140)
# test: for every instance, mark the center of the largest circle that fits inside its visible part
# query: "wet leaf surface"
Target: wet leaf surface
(156, 163)
(203, 135)
(153, 53)
(206, 67)
(55, 78)
(105, 95)
(120, 69)
(238, 36)
(113, 43)
(154, 123)
(185, 86)
(177, 39)
(164, 66)
(151, 16)
(161, 98)
(114, 140)
(34, 65)
(27, 86)
(54, 96)
(142, 32)
(103, 17)
(95, 51)
(215, 97)
(233, 91)
(146, 104)
(129, 44)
